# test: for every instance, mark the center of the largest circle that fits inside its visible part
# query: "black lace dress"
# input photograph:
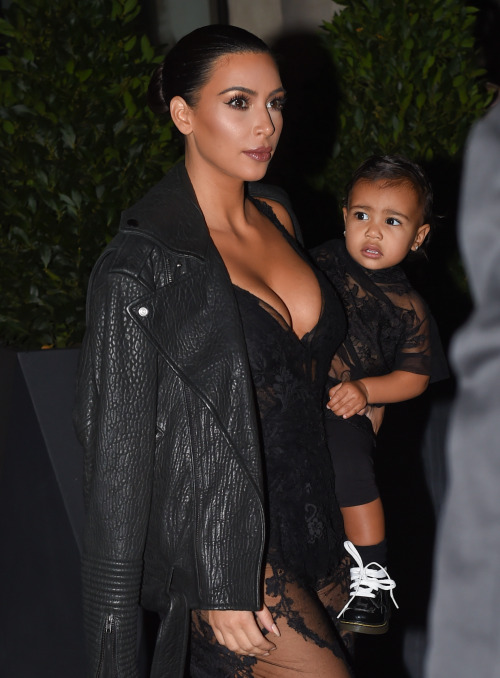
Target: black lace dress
(305, 527)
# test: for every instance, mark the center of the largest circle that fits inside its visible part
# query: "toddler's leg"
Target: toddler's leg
(351, 443)
(351, 446)
(365, 525)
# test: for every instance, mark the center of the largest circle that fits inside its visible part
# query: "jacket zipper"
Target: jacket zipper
(108, 648)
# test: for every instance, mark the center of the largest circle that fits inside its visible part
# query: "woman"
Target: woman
(199, 399)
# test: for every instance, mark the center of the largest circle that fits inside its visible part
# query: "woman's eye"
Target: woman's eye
(361, 216)
(277, 104)
(392, 221)
(239, 102)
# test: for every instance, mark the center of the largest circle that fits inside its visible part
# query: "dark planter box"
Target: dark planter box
(41, 520)
(41, 517)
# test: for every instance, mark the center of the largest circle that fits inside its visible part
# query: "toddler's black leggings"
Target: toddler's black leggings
(351, 443)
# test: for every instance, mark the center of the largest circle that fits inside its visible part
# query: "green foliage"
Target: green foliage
(410, 81)
(78, 145)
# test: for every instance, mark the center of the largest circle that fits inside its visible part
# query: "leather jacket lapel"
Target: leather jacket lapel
(191, 323)
(170, 214)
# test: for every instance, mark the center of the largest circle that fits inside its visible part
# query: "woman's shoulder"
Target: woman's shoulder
(280, 213)
(169, 214)
(278, 200)
(128, 256)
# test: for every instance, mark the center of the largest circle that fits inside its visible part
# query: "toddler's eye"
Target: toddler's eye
(392, 221)
(361, 216)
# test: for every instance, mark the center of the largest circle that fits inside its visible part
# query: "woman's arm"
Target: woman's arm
(115, 415)
(351, 397)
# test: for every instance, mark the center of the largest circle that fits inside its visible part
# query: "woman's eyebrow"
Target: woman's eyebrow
(250, 91)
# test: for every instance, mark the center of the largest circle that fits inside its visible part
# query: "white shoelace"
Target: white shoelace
(365, 580)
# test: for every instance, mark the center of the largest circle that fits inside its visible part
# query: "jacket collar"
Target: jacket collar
(170, 213)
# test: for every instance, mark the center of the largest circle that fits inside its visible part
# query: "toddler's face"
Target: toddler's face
(383, 221)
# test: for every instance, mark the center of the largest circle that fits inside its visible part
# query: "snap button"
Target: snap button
(143, 311)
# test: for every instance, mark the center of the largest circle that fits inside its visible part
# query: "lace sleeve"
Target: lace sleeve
(414, 350)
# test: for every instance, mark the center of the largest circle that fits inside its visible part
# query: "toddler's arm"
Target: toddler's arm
(351, 397)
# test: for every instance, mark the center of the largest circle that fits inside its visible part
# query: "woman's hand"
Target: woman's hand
(348, 398)
(239, 631)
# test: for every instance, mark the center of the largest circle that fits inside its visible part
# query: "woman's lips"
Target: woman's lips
(262, 154)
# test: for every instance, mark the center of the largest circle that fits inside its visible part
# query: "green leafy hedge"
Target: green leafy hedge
(78, 145)
(409, 77)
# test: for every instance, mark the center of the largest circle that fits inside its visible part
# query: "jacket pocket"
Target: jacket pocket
(108, 667)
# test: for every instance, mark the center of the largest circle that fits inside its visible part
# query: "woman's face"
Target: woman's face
(236, 123)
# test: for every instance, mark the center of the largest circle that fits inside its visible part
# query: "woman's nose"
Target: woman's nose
(265, 122)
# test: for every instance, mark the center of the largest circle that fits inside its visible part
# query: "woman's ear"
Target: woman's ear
(180, 112)
(420, 236)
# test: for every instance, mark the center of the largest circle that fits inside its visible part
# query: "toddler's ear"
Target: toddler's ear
(420, 236)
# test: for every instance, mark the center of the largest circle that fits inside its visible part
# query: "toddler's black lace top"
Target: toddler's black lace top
(389, 324)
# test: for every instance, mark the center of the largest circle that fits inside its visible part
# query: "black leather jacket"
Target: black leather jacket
(165, 412)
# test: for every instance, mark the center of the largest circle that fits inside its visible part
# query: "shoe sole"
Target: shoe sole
(364, 628)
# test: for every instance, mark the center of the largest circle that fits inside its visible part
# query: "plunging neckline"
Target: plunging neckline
(275, 314)
(268, 212)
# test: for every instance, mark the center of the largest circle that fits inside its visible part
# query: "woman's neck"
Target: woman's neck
(221, 198)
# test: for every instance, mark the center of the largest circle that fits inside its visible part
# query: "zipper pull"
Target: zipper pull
(109, 623)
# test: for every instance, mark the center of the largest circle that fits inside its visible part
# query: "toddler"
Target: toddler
(391, 352)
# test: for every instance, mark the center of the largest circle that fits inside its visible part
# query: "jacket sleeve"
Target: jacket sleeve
(115, 417)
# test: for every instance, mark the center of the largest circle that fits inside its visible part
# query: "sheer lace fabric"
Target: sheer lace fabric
(309, 645)
(306, 580)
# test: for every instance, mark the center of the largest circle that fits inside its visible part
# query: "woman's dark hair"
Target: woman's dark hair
(395, 169)
(188, 65)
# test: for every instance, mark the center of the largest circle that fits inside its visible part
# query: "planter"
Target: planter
(41, 517)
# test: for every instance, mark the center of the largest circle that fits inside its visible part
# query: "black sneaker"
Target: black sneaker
(369, 605)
